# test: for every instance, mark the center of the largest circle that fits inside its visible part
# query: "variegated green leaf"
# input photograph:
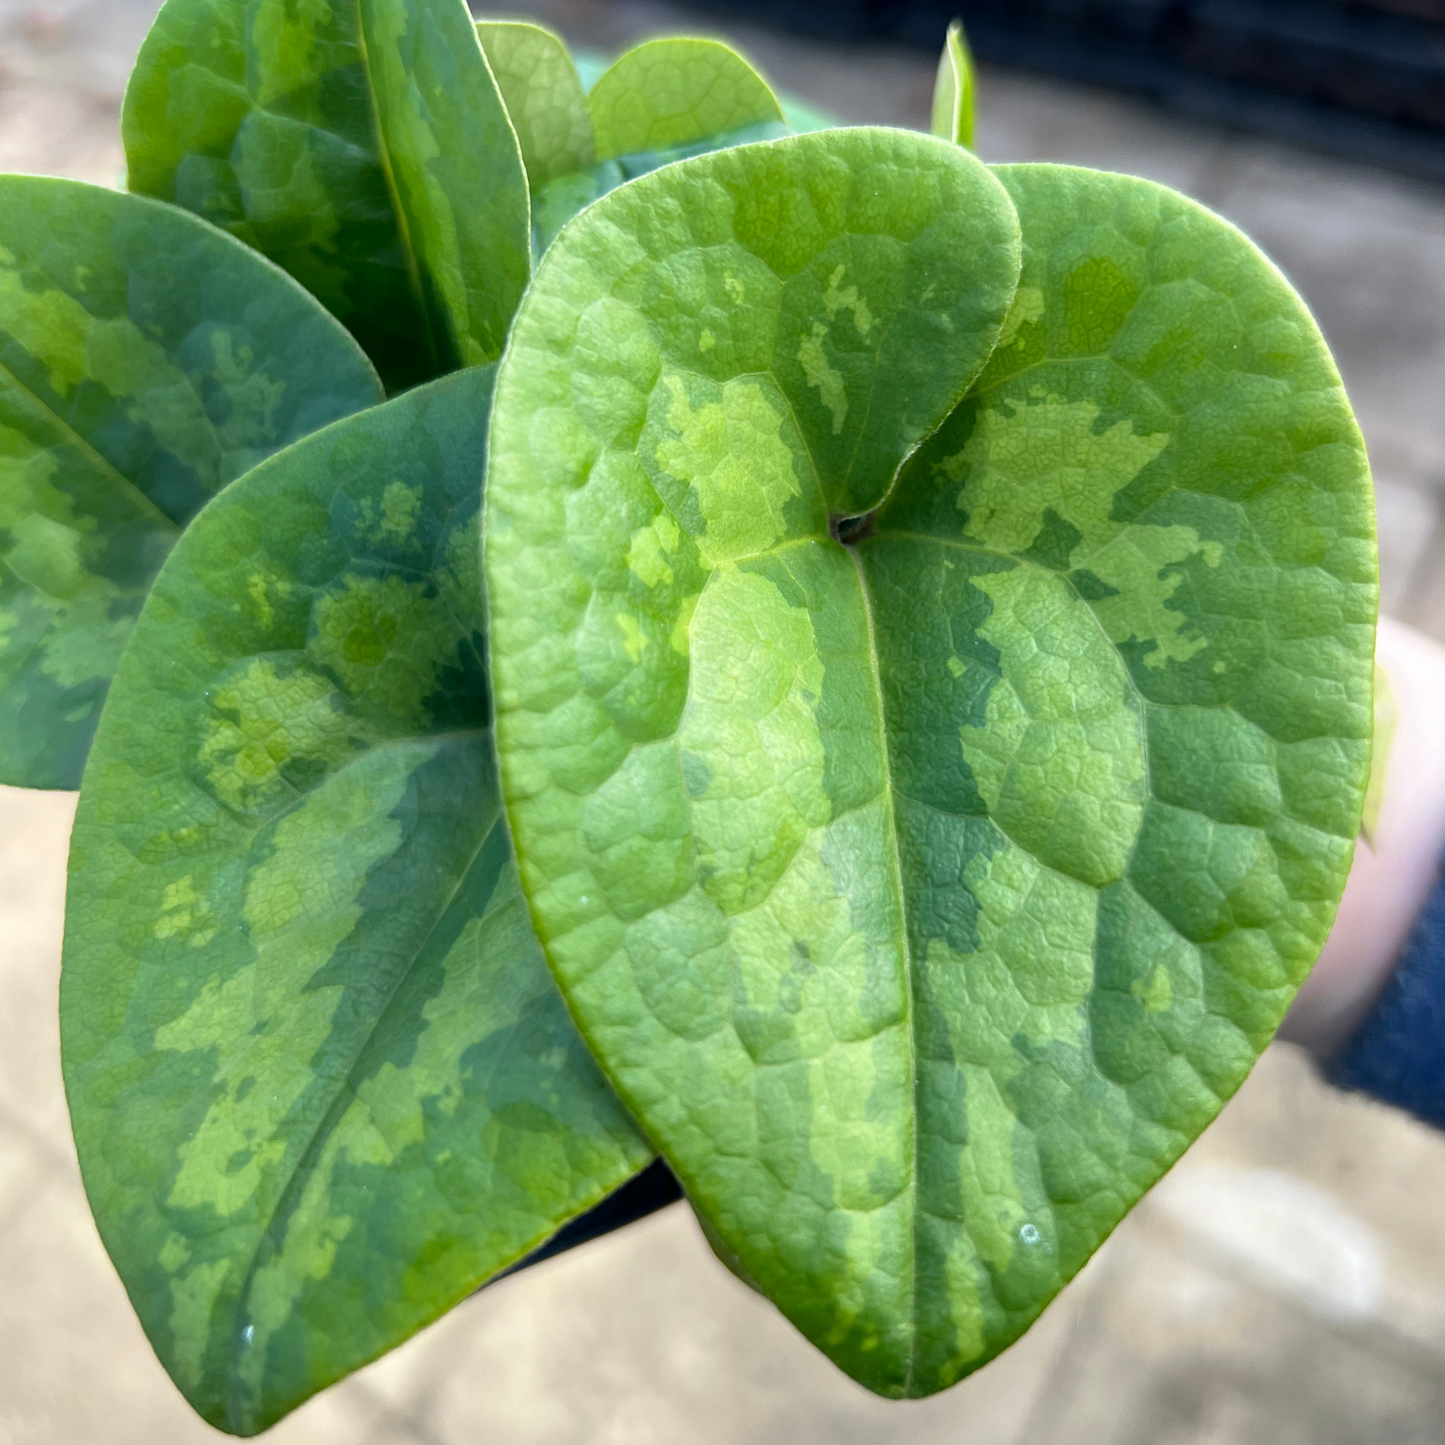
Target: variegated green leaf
(543, 95)
(145, 361)
(675, 91)
(361, 144)
(953, 102)
(320, 1080)
(927, 841)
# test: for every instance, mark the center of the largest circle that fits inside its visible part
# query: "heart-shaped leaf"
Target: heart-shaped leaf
(543, 95)
(361, 144)
(147, 360)
(320, 1080)
(953, 102)
(924, 853)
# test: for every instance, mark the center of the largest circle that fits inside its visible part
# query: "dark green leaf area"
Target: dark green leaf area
(362, 145)
(924, 896)
(145, 361)
(321, 1082)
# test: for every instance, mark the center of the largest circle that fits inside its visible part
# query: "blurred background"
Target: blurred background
(1285, 1285)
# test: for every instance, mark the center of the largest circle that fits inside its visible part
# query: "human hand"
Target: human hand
(1395, 870)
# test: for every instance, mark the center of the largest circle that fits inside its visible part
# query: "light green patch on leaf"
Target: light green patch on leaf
(673, 92)
(321, 1083)
(146, 361)
(953, 91)
(267, 720)
(1157, 994)
(1035, 457)
(831, 389)
(363, 145)
(543, 95)
(1028, 307)
(929, 900)
(399, 504)
(698, 438)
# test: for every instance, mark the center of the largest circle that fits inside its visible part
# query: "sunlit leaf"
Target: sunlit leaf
(927, 839)
(543, 95)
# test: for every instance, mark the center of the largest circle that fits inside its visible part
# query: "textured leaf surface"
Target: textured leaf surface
(953, 92)
(924, 897)
(361, 144)
(543, 95)
(145, 361)
(320, 1080)
(671, 92)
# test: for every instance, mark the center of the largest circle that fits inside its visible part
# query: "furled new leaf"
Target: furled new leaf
(361, 144)
(926, 841)
(320, 1080)
(543, 95)
(145, 361)
(953, 103)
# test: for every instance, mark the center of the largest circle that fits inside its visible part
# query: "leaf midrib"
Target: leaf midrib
(88, 448)
(398, 211)
(345, 1090)
(906, 954)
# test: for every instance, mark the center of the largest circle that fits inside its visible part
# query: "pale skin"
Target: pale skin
(1395, 870)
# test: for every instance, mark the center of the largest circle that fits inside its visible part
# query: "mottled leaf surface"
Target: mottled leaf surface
(320, 1080)
(145, 361)
(543, 95)
(362, 145)
(953, 91)
(925, 895)
(673, 91)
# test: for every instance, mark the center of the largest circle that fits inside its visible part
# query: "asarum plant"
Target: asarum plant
(842, 667)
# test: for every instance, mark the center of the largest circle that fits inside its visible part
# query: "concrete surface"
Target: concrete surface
(1284, 1286)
